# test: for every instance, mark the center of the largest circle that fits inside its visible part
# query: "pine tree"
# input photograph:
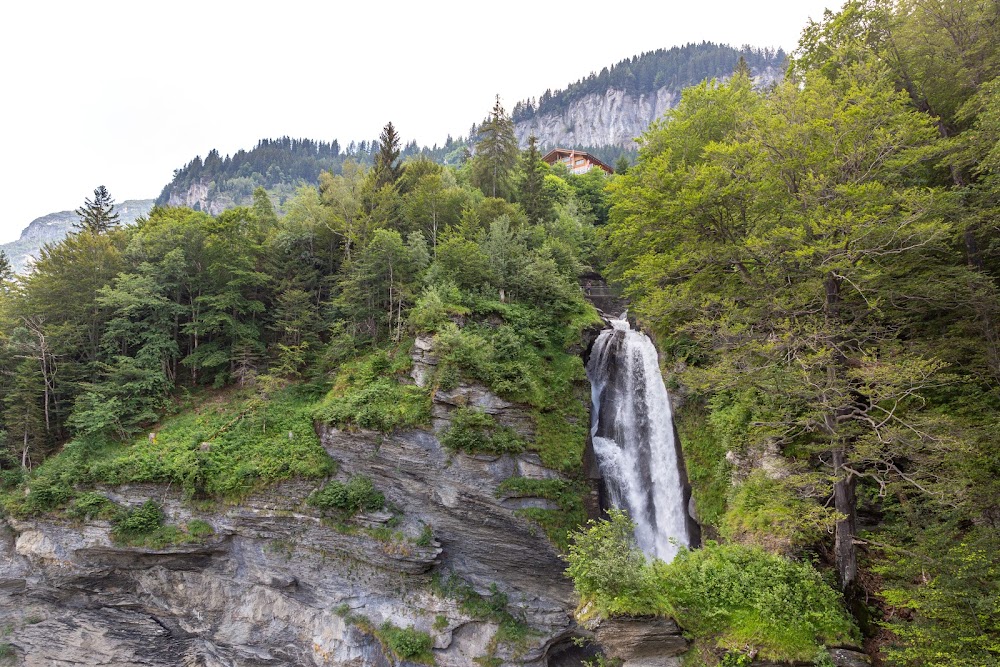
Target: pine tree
(742, 68)
(387, 168)
(622, 165)
(531, 191)
(496, 153)
(6, 269)
(97, 215)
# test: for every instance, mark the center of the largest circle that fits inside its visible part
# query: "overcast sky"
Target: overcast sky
(122, 93)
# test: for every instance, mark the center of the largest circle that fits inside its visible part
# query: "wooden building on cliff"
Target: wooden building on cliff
(578, 162)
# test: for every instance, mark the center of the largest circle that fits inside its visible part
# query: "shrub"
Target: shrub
(742, 597)
(348, 499)
(367, 394)
(435, 308)
(138, 521)
(493, 607)
(199, 529)
(473, 431)
(91, 505)
(769, 513)
(406, 643)
(426, 537)
(46, 494)
(248, 446)
(608, 569)
(729, 597)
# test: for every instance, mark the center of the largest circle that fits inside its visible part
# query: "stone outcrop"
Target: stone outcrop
(199, 196)
(659, 642)
(278, 585)
(642, 642)
(614, 118)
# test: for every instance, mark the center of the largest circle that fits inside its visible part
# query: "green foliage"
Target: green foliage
(46, 494)
(496, 154)
(745, 598)
(403, 643)
(493, 608)
(144, 526)
(199, 529)
(609, 570)
(138, 522)
(725, 596)
(951, 593)
(368, 393)
(227, 447)
(436, 307)
(99, 215)
(557, 523)
(406, 643)
(705, 459)
(426, 537)
(472, 431)
(91, 505)
(774, 514)
(358, 494)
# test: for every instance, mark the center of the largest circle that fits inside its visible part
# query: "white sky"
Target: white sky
(122, 93)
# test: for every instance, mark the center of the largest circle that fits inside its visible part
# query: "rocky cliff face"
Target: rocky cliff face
(615, 118)
(197, 196)
(278, 585)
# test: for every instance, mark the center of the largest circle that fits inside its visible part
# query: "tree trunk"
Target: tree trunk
(843, 489)
(844, 503)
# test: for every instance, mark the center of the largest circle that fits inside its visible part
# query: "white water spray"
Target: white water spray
(633, 434)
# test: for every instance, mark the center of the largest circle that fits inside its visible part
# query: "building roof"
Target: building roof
(557, 154)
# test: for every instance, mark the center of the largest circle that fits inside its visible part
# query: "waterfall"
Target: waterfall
(633, 435)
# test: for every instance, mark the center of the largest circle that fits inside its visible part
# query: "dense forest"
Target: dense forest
(115, 325)
(646, 73)
(818, 262)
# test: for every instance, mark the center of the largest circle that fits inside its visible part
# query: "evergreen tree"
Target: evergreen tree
(742, 68)
(622, 165)
(496, 154)
(531, 190)
(6, 269)
(387, 169)
(263, 209)
(97, 215)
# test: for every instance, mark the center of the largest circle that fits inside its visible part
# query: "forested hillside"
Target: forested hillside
(280, 166)
(644, 74)
(114, 321)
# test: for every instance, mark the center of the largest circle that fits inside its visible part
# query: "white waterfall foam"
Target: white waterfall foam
(633, 437)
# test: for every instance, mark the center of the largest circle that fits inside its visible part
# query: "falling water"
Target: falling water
(633, 437)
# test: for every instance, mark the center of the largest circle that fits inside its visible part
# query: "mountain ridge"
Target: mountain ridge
(53, 227)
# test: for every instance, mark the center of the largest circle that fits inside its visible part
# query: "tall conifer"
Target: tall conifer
(97, 215)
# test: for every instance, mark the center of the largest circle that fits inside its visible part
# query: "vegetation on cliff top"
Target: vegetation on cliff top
(227, 336)
(677, 67)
